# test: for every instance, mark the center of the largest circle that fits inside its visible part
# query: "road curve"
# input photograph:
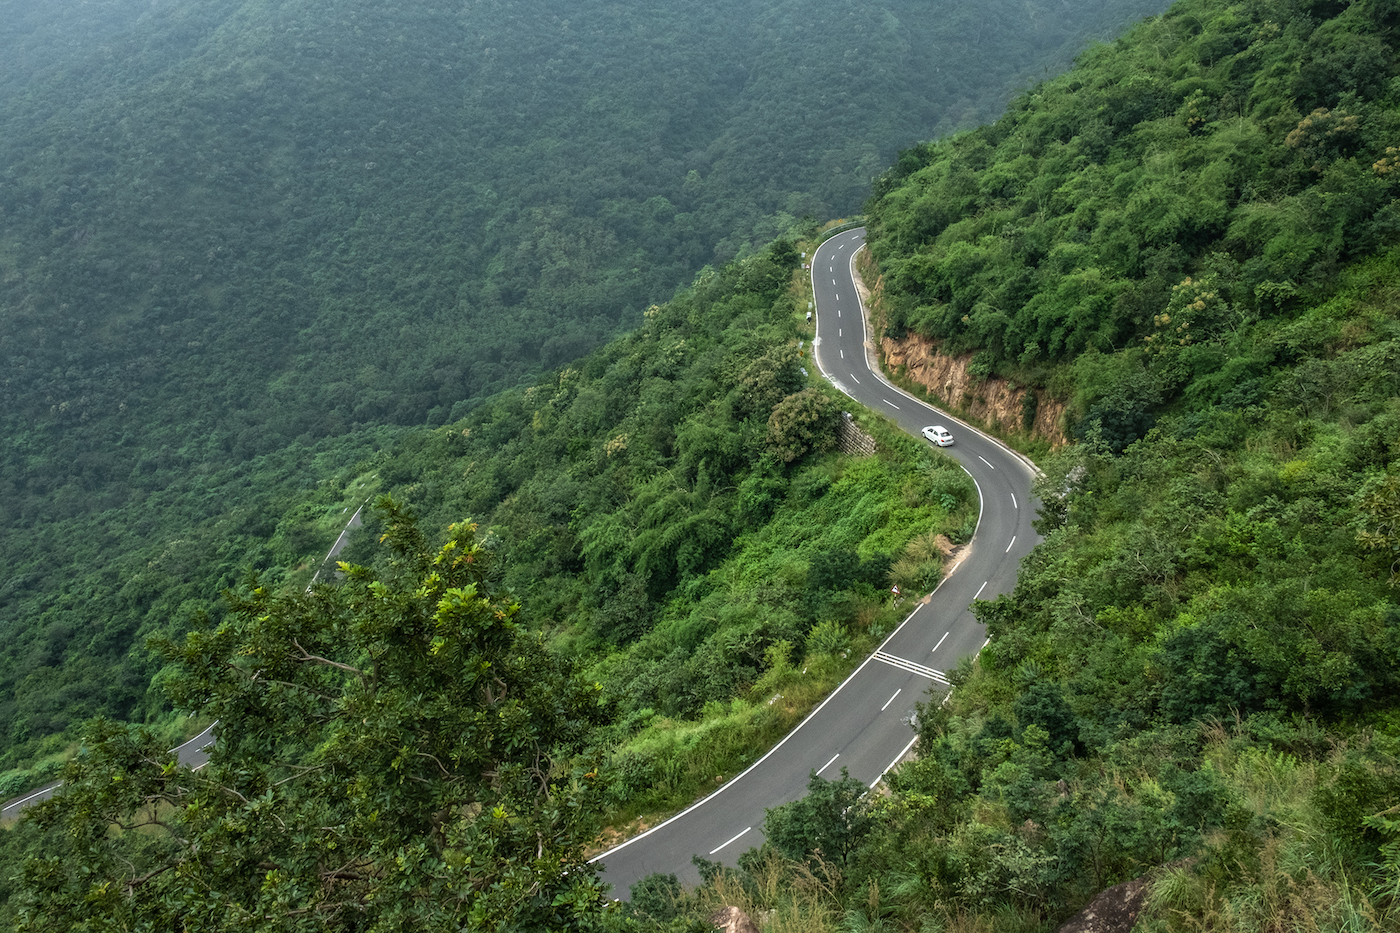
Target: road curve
(192, 754)
(864, 725)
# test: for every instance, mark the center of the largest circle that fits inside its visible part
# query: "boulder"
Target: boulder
(733, 920)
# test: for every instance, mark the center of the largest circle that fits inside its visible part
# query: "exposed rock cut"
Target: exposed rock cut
(992, 400)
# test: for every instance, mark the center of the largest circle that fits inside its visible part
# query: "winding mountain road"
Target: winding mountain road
(864, 725)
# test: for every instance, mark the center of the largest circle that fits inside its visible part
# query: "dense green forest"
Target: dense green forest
(242, 244)
(1196, 681)
(665, 545)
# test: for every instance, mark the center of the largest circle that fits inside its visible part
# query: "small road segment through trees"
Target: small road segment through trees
(865, 725)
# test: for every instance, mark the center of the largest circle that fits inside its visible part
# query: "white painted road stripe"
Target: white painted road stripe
(981, 588)
(985, 460)
(829, 763)
(892, 404)
(910, 666)
(887, 704)
(1014, 504)
(945, 636)
(1010, 546)
(723, 844)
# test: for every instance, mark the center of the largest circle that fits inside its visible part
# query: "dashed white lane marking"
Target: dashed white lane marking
(981, 588)
(911, 667)
(855, 380)
(891, 700)
(1009, 546)
(986, 461)
(833, 281)
(723, 844)
(843, 354)
(829, 763)
(1014, 504)
(840, 334)
(946, 634)
(891, 404)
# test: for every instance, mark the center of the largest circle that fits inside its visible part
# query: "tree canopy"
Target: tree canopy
(396, 752)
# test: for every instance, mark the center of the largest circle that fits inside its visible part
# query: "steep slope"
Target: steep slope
(238, 239)
(1194, 682)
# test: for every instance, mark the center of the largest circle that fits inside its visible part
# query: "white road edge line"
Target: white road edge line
(885, 707)
(174, 751)
(722, 845)
(981, 499)
(897, 759)
(37, 793)
(829, 763)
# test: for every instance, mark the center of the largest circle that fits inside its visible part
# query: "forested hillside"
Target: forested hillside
(1196, 682)
(241, 243)
(669, 567)
(1188, 239)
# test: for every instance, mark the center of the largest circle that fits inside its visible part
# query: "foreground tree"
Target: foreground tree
(395, 753)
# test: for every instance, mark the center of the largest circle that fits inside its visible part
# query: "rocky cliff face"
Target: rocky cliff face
(993, 401)
(996, 403)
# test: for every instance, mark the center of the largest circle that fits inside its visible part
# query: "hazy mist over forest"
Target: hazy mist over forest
(240, 240)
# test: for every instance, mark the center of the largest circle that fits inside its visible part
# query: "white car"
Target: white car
(939, 435)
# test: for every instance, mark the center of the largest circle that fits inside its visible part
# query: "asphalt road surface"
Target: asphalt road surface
(193, 754)
(865, 725)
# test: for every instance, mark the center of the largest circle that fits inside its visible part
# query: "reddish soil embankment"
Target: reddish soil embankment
(993, 402)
